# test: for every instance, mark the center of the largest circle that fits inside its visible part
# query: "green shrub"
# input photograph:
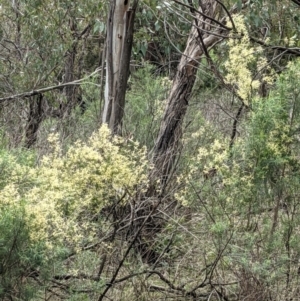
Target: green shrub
(145, 102)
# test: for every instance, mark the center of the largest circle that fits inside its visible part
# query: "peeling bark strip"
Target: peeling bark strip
(168, 141)
(119, 45)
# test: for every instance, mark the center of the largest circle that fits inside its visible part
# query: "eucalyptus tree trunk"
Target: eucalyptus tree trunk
(168, 142)
(119, 45)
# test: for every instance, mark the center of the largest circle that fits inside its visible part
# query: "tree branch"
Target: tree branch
(296, 2)
(43, 90)
(234, 127)
(286, 50)
(193, 10)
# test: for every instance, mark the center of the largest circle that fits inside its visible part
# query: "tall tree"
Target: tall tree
(203, 35)
(119, 44)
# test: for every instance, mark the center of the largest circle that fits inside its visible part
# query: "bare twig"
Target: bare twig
(113, 278)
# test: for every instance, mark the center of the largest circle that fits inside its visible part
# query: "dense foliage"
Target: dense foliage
(86, 215)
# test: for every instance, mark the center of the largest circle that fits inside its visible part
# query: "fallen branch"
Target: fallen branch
(42, 90)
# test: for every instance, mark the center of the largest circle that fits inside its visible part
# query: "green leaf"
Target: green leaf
(157, 26)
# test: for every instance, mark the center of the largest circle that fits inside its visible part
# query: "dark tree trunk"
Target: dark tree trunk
(69, 77)
(35, 118)
(73, 69)
(167, 145)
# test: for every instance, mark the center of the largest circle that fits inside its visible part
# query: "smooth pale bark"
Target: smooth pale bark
(115, 30)
(119, 100)
(119, 44)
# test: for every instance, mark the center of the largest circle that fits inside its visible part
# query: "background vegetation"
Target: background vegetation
(85, 215)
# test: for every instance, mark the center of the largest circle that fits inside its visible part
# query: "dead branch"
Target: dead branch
(43, 90)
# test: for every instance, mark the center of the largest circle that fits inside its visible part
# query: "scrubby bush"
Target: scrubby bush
(57, 204)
